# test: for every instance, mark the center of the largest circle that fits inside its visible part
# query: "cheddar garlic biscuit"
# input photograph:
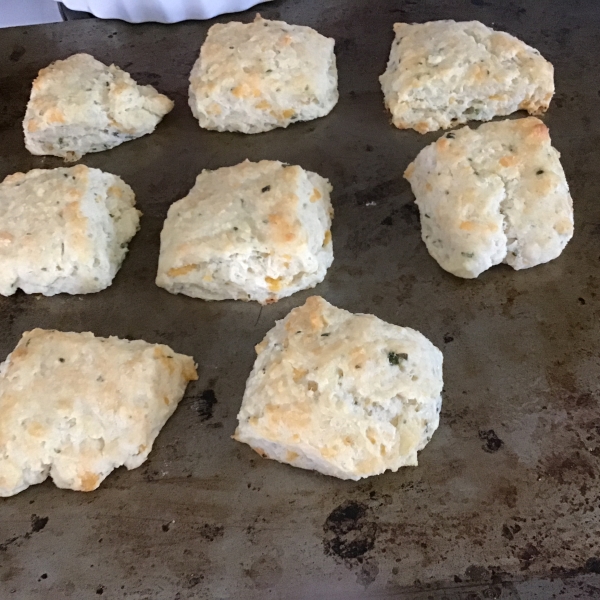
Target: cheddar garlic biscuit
(64, 230)
(445, 73)
(79, 105)
(491, 195)
(345, 394)
(254, 77)
(74, 407)
(254, 231)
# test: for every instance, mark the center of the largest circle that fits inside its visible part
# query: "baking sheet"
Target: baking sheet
(504, 503)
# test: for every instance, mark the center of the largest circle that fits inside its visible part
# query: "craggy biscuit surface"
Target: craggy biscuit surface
(64, 230)
(80, 105)
(254, 231)
(343, 394)
(445, 73)
(74, 407)
(254, 77)
(491, 195)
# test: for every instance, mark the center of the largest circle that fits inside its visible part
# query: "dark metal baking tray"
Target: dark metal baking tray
(504, 503)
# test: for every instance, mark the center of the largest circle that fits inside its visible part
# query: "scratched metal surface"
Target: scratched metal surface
(504, 503)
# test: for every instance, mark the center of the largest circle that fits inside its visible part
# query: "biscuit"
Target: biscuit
(257, 76)
(491, 195)
(64, 230)
(443, 73)
(343, 394)
(74, 407)
(80, 105)
(255, 231)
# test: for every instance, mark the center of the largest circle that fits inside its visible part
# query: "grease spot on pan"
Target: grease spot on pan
(349, 534)
(492, 443)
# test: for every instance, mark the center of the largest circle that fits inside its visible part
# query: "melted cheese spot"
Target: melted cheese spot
(299, 374)
(179, 271)
(509, 161)
(214, 109)
(275, 285)
(89, 482)
(6, 239)
(55, 116)
(115, 190)
(284, 230)
(36, 430)
(246, 90)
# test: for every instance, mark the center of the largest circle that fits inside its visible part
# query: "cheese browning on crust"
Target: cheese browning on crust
(74, 407)
(491, 195)
(257, 76)
(80, 105)
(64, 230)
(445, 73)
(255, 231)
(346, 395)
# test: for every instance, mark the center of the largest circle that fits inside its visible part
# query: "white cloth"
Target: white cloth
(161, 11)
(28, 12)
